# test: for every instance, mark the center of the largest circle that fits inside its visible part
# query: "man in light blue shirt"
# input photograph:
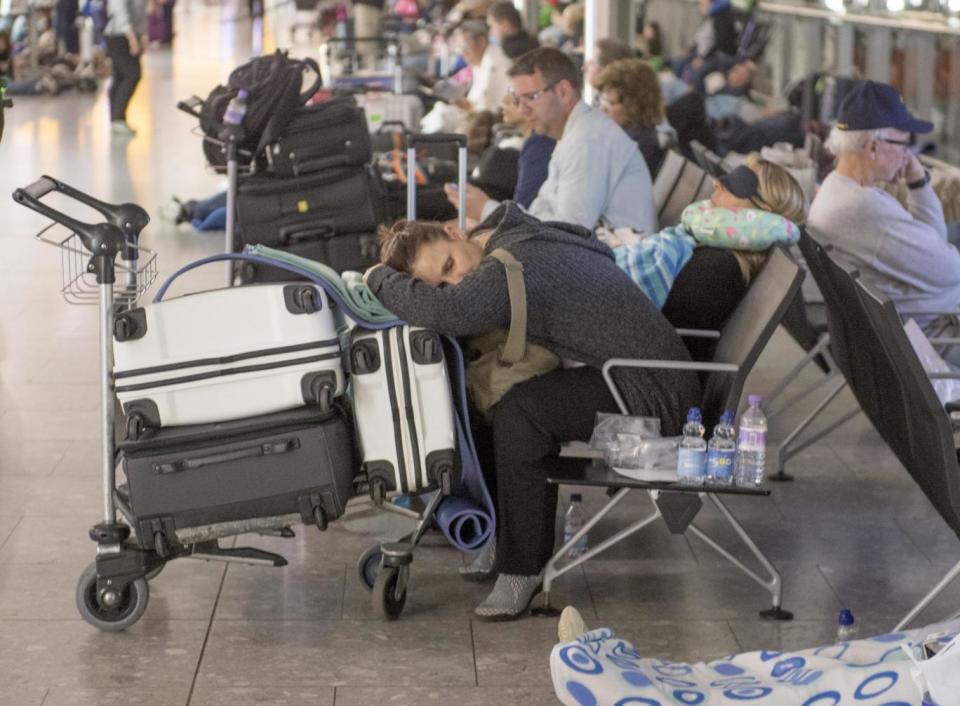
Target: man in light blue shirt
(597, 175)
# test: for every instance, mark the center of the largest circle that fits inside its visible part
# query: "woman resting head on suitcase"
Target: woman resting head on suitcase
(580, 306)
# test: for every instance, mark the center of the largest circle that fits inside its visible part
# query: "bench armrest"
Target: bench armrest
(657, 365)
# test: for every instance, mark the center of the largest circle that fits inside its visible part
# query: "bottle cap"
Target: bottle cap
(578, 498)
(726, 417)
(754, 400)
(846, 617)
(243, 94)
(694, 415)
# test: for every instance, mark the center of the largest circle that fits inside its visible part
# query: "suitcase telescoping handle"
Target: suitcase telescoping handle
(103, 240)
(439, 138)
(258, 451)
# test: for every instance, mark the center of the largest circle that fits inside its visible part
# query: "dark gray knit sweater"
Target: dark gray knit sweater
(580, 305)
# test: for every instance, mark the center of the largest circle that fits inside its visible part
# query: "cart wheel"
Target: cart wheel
(129, 608)
(320, 517)
(369, 566)
(388, 596)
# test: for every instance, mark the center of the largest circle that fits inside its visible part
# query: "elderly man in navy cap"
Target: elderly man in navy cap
(902, 251)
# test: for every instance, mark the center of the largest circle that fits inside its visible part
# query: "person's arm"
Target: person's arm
(922, 202)
(910, 250)
(582, 185)
(478, 304)
(532, 168)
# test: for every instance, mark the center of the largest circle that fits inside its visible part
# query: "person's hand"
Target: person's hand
(697, 63)
(476, 200)
(912, 169)
(366, 275)
(464, 105)
(135, 48)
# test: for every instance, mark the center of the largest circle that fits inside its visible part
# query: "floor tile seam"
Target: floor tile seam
(206, 636)
(46, 694)
(909, 538)
(10, 533)
(343, 599)
(473, 651)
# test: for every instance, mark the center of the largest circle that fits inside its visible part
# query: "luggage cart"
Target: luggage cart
(112, 592)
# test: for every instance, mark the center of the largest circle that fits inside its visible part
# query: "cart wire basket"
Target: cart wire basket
(79, 284)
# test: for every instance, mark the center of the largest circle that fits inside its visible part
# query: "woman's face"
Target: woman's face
(721, 198)
(611, 105)
(446, 262)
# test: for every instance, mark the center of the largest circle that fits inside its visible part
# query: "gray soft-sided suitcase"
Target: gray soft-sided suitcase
(294, 466)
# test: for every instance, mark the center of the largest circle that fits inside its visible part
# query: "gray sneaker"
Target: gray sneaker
(120, 128)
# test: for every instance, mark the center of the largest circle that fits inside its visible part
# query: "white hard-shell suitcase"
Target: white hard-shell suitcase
(227, 354)
(403, 409)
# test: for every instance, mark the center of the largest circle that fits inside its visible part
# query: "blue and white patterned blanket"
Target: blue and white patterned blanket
(598, 669)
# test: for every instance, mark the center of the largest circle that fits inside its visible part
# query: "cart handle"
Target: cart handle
(128, 217)
(103, 240)
(191, 105)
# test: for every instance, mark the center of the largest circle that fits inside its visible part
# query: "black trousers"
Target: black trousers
(126, 75)
(529, 424)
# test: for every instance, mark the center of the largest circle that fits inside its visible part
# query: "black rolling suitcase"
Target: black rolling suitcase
(280, 212)
(352, 251)
(290, 466)
(333, 133)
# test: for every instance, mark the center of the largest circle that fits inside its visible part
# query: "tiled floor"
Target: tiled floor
(853, 530)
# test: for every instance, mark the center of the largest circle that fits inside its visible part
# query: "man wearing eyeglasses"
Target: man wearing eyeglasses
(596, 174)
(904, 252)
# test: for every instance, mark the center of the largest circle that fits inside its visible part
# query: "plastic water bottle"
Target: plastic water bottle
(236, 109)
(692, 456)
(573, 521)
(751, 445)
(846, 630)
(721, 451)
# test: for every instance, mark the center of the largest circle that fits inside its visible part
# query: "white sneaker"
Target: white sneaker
(119, 127)
(171, 211)
(571, 625)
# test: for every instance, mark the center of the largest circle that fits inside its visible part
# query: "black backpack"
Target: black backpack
(273, 83)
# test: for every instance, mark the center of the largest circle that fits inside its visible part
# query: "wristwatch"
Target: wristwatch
(919, 183)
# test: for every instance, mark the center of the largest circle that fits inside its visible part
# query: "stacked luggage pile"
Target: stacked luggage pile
(319, 196)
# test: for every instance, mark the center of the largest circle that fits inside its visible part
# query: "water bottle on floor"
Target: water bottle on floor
(751, 445)
(573, 521)
(721, 451)
(846, 630)
(692, 455)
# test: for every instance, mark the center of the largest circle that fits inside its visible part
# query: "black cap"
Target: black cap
(741, 182)
(871, 106)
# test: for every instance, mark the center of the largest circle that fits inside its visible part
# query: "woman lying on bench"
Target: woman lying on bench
(581, 307)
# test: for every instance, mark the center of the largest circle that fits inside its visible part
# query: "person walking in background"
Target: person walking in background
(125, 36)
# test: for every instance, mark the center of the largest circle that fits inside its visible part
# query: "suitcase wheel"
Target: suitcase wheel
(446, 482)
(390, 591)
(160, 545)
(320, 517)
(378, 491)
(135, 427)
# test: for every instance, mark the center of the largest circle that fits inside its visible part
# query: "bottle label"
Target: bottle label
(750, 440)
(720, 463)
(691, 463)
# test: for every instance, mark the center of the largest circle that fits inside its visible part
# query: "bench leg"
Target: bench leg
(552, 571)
(773, 584)
(927, 599)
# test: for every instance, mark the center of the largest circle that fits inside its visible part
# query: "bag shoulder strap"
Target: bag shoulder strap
(515, 347)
